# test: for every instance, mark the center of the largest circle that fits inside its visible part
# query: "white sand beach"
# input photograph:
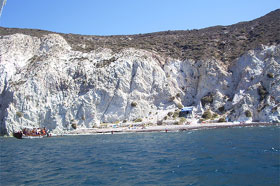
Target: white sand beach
(164, 128)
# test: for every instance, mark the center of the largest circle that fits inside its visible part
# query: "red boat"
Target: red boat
(20, 135)
(34, 133)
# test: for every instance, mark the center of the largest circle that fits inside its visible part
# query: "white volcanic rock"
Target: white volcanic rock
(251, 73)
(43, 82)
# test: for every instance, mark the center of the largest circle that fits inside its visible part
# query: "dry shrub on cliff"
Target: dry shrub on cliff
(207, 114)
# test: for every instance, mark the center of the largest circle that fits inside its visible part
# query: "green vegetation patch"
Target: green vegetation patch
(176, 114)
(172, 98)
(159, 122)
(221, 109)
(208, 99)
(262, 92)
(270, 75)
(138, 120)
(215, 115)
(19, 114)
(182, 120)
(133, 104)
(207, 114)
(248, 113)
(105, 62)
(180, 106)
(74, 126)
(169, 114)
(221, 120)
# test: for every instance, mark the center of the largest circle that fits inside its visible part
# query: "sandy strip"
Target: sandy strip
(165, 128)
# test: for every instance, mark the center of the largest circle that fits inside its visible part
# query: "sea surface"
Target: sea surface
(232, 156)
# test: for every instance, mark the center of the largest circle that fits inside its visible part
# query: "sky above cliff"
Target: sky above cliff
(122, 17)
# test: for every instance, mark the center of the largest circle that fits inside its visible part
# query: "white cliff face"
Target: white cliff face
(255, 71)
(43, 82)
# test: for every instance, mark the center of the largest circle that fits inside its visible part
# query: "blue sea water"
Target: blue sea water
(232, 156)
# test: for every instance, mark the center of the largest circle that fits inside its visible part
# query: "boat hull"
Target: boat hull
(20, 135)
(32, 137)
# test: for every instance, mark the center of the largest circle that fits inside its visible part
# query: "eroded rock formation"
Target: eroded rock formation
(44, 81)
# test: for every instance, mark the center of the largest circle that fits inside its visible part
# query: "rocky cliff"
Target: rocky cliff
(55, 80)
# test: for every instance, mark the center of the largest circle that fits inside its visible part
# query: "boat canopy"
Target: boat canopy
(185, 109)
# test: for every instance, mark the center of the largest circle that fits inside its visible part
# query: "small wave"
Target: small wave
(272, 149)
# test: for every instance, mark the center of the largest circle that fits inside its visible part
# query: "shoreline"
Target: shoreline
(163, 128)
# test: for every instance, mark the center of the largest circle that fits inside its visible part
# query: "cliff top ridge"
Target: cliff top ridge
(222, 42)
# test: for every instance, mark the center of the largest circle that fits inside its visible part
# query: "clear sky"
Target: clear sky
(118, 17)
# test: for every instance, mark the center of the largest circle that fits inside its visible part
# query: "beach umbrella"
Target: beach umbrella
(2, 4)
